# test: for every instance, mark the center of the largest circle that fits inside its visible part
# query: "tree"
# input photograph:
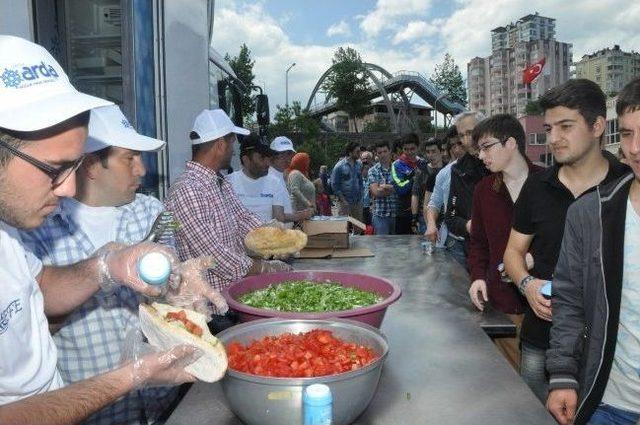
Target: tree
(447, 76)
(347, 83)
(294, 119)
(242, 65)
(533, 108)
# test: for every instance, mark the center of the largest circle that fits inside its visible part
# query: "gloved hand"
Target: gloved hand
(274, 266)
(194, 291)
(150, 367)
(118, 266)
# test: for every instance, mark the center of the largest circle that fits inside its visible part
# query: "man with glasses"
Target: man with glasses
(212, 219)
(501, 142)
(105, 208)
(43, 128)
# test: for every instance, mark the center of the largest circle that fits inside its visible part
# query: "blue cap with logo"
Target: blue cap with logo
(35, 92)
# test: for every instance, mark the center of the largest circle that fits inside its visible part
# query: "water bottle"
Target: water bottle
(427, 248)
(317, 405)
(154, 268)
(545, 289)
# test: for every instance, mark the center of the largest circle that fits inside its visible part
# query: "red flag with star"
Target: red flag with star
(532, 72)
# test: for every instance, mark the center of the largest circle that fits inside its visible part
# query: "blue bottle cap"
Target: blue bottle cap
(546, 289)
(154, 268)
(317, 395)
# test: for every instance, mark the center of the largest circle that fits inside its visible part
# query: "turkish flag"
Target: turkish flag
(532, 72)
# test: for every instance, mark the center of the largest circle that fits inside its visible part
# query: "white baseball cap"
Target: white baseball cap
(282, 144)
(213, 124)
(35, 92)
(109, 127)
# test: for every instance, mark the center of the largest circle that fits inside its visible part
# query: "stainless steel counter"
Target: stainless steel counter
(442, 367)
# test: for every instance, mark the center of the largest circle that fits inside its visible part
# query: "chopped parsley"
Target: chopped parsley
(308, 296)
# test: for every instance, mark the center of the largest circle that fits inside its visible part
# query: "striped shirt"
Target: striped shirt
(91, 339)
(212, 221)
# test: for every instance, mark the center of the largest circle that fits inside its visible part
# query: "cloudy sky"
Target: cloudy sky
(399, 34)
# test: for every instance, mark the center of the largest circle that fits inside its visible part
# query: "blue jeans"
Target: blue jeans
(383, 225)
(609, 415)
(533, 372)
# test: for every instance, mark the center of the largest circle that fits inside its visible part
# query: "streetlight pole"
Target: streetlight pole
(286, 83)
(435, 108)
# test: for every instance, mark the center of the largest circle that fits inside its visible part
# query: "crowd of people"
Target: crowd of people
(72, 229)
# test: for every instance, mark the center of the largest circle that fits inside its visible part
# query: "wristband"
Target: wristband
(522, 286)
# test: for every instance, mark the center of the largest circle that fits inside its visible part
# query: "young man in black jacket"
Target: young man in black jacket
(574, 120)
(594, 359)
(465, 173)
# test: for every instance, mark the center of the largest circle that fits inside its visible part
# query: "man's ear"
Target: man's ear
(599, 126)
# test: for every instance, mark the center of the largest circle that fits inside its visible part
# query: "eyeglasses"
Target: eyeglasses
(57, 175)
(488, 146)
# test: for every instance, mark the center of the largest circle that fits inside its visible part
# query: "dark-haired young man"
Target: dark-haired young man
(574, 119)
(427, 170)
(403, 171)
(500, 141)
(594, 359)
(346, 182)
(383, 195)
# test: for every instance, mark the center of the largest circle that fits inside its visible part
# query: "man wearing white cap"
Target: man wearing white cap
(43, 127)
(212, 219)
(282, 154)
(105, 208)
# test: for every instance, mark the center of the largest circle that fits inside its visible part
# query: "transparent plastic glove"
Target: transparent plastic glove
(118, 266)
(274, 223)
(151, 367)
(274, 266)
(194, 291)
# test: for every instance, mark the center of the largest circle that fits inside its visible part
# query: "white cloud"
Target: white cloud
(388, 13)
(414, 30)
(341, 28)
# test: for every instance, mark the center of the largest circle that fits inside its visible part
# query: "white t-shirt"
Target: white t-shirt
(623, 388)
(258, 195)
(288, 206)
(28, 355)
(99, 223)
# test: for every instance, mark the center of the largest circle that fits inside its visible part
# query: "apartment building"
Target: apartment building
(495, 84)
(610, 68)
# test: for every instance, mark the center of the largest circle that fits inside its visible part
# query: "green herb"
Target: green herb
(309, 296)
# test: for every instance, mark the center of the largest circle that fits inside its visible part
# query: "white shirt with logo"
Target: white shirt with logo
(623, 388)
(27, 352)
(258, 195)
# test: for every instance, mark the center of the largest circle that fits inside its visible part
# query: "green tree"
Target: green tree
(242, 65)
(533, 108)
(347, 83)
(293, 118)
(447, 76)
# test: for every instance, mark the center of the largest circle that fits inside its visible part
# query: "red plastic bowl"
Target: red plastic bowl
(371, 315)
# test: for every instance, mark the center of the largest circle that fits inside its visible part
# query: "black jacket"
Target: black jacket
(587, 290)
(465, 174)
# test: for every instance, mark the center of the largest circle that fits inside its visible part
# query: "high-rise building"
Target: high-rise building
(610, 68)
(495, 83)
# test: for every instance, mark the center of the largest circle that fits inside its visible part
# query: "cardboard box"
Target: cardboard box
(330, 233)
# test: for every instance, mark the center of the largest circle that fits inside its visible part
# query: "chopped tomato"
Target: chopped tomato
(314, 353)
(181, 316)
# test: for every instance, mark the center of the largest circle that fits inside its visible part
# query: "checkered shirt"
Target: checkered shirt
(386, 206)
(212, 221)
(91, 338)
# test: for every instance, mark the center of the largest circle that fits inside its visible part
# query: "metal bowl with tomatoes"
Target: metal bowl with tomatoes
(352, 375)
(387, 291)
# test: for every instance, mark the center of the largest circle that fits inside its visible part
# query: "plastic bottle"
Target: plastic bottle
(154, 268)
(427, 248)
(317, 405)
(545, 289)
